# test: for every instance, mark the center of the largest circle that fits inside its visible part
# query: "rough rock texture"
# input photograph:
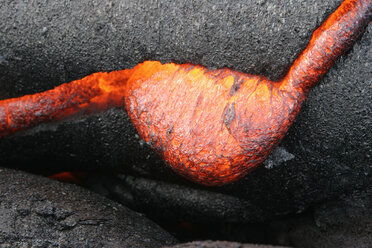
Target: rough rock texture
(326, 153)
(220, 244)
(345, 222)
(46, 43)
(38, 212)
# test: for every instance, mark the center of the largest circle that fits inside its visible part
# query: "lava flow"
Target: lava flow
(211, 126)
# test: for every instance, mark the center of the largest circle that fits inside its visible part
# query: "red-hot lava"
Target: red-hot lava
(75, 177)
(211, 126)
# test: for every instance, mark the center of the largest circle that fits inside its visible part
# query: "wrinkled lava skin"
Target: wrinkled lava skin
(211, 126)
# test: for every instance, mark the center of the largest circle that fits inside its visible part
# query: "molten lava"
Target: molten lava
(74, 177)
(211, 126)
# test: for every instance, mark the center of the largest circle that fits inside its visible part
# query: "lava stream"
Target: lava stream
(211, 126)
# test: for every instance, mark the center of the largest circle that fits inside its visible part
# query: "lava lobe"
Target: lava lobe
(210, 126)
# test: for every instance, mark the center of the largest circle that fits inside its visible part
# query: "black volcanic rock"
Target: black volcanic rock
(43, 44)
(220, 244)
(39, 212)
(326, 153)
(343, 222)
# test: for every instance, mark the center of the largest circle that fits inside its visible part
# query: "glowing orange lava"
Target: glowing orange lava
(69, 177)
(211, 126)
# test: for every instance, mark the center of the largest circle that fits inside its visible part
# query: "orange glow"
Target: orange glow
(69, 177)
(210, 126)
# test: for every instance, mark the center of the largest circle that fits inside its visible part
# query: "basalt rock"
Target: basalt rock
(220, 244)
(343, 222)
(39, 212)
(325, 154)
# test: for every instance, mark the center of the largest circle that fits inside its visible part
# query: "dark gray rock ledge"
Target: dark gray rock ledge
(39, 212)
(220, 244)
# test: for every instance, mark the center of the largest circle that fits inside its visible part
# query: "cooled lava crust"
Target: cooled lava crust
(210, 126)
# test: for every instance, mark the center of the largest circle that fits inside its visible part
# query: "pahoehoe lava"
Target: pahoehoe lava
(211, 126)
